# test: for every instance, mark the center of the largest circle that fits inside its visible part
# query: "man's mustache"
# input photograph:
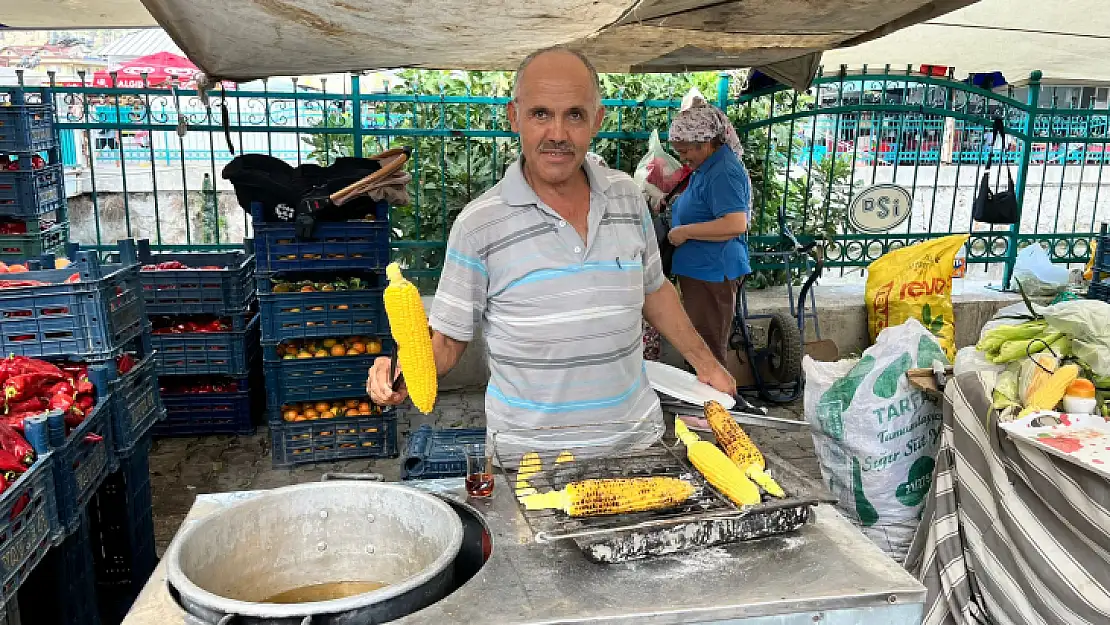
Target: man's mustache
(557, 148)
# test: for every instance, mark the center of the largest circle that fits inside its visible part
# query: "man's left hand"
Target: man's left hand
(677, 236)
(719, 378)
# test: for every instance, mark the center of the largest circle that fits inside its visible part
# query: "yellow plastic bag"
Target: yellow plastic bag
(915, 281)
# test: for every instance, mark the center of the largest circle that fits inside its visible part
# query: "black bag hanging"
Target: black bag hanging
(990, 207)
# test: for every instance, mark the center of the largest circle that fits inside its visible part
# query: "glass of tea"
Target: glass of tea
(479, 471)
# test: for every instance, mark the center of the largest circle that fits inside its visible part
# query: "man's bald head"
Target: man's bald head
(557, 59)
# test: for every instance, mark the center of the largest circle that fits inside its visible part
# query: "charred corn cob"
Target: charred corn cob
(408, 324)
(613, 496)
(721, 472)
(739, 448)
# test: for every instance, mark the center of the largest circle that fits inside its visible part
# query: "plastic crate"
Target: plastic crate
(212, 413)
(28, 193)
(227, 291)
(16, 248)
(433, 454)
(321, 314)
(62, 590)
(293, 380)
(346, 245)
(328, 440)
(91, 319)
(122, 531)
(26, 120)
(81, 463)
(28, 515)
(136, 404)
(207, 353)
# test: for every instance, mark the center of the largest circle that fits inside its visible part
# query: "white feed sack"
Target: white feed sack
(876, 435)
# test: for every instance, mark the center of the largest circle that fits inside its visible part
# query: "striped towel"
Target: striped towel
(1010, 535)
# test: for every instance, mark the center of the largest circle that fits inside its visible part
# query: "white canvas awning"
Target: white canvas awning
(1067, 40)
(245, 39)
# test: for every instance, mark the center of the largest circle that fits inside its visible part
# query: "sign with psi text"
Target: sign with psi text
(880, 208)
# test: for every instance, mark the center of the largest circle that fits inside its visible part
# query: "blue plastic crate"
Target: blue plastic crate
(289, 381)
(227, 291)
(121, 525)
(28, 516)
(81, 461)
(62, 590)
(346, 245)
(26, 120)
(17, 248)
(433, 454)
(202, 414)
(136, 404)
(207, 353)
(288, 316)
(328, 440)
(28, 193)
(91, 319)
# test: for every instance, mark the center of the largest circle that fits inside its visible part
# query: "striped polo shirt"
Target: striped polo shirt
(561, 317)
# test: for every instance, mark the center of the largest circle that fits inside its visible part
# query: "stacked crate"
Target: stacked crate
(205, 377)
(87, 315)
(33, 218)
(323, 324)
(1099, 287)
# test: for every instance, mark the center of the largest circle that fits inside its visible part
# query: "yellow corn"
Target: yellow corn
(613, 496)
(408, 324)
(1048, 394)
(739, 448)
(529, 466)
(721, 472)
(1033, 373)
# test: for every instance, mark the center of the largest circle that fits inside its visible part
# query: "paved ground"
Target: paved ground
(184, 467)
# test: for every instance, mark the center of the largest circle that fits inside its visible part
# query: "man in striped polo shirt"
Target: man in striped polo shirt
(558, 264)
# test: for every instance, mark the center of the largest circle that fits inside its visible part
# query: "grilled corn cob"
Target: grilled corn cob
(613, 496)
(739, 448)
(721, 472)
(408, 324)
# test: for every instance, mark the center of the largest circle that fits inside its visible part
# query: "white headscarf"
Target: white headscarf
(703, 122)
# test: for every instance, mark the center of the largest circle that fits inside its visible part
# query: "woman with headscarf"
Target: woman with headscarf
(709, 220)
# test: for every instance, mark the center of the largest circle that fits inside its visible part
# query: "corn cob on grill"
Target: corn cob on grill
(408, 324)
(599, 497)
(721, 472)
(739, 448)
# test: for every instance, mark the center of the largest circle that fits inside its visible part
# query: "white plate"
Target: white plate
(1079, 438)
(684, 386)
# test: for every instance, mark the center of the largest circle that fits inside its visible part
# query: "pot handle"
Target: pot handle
(360, 477)
(227, 619)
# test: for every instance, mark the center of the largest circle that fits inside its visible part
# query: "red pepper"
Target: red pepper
(62, 402)
(85, 387)
(125, 363)
(93, 438)
(34, 365)
(15, 420)
(9, 462)
(85, 403)
(34, 405)
(64, 387)
(73, 279)
(12, 442)
(28, 385)
(3, 487)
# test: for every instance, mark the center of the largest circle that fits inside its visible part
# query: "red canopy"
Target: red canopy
(160, 68)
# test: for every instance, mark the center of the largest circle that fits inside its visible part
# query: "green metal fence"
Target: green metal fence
(149, 160)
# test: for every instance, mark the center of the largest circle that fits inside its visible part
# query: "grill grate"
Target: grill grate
(666, 458)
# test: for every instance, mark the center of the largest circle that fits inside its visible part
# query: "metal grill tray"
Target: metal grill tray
(706, 519)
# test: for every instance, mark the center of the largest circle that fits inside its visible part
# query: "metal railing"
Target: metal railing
(147, 162)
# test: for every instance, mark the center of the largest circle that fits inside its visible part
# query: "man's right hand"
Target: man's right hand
(380, 388)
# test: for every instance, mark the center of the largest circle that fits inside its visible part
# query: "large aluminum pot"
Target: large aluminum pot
(325, 532)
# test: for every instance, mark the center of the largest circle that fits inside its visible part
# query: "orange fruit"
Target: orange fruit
(374, 347)
(61, 263)
(338, 350)
(359, 348)
(291, 349)
(311, 414)
(352, 352)
(307, 289)
(329, 343)
(351, 403)
(342, 307)
(17, 268)
(290, 415)
(303, 355)
(322, 406)
(321, 353)
(352, 412)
